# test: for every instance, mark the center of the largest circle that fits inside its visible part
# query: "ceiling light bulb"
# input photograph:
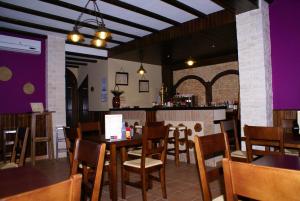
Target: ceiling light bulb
(190, 62)
(102, 33)
(141, 72)
(98, 42)
(75, 38)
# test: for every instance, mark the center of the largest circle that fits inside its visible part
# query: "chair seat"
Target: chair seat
(8, 165)
(219, 198)
(150, 162)
(239, 154)
(135, 152)
(106, 163)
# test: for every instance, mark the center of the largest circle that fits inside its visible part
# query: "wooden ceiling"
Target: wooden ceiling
(203, 29)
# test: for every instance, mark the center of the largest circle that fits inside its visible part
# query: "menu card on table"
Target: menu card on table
(113, 126)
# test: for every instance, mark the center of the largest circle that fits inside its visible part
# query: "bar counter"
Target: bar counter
(198, 120)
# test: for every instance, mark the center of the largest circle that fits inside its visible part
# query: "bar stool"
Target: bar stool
(48, 138)
(180, 136)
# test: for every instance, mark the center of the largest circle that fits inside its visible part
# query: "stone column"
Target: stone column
(55, 81)
(254, 54)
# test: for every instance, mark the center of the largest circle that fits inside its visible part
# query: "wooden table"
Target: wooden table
(283, 161)
(113, 145)
(18, 180)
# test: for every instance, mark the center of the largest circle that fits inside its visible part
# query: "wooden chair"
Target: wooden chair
(207, 147)
(287, 125)
(263, 136)
(8, 139)
(154, 147)
(71, 135)
(229, 127)
(137, 152)
(179, 136)
(89, 128)
(68, 190)
(91, 156)
(260, 182)
(19, 149)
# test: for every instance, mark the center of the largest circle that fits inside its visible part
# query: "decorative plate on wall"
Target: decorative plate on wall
(28, 88)
(5, 73)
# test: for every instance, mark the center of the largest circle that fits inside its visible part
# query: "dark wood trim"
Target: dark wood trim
(85, 55)
(72, 66)
(237, 6)
(46, 28)
(141, 11)
(184, 7)
(81, 59)
(75, 63)
(179, 65)
(105, 16)
(59, 18)
(86, 45)
(197, 25)
(224, 73)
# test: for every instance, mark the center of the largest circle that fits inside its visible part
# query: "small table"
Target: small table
(279, 161)
(18, 180)
(113, 145)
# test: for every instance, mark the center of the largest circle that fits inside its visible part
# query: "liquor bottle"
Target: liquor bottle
(295, 128)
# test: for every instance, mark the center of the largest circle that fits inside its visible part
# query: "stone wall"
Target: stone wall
(224, 89)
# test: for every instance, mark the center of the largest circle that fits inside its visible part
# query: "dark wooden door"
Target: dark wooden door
(84, 101)
(71, 99)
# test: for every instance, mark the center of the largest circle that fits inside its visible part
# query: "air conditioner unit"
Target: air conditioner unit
(15, 44)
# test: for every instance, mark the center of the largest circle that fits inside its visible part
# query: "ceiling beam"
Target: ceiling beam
(197, 25)
(72, 66)
(59, 18)
(46, 28)
(237, 6)
(85, 55)
(184, 7)
(76, 63)
(105, 16)
(80, 59)
(141, 11)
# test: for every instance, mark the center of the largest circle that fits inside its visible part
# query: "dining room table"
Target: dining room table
(113, 145)
(279, 161)
(18, 180)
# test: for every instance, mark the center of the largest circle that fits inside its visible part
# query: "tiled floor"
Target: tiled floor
(182, 182)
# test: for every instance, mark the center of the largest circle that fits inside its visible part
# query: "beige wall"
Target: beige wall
(106, 70)
(131, 96)
(224, 89)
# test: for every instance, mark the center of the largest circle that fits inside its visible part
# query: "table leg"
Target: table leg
(113, 168)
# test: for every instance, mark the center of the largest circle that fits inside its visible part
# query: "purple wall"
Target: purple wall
(25, 68)
(285, 43)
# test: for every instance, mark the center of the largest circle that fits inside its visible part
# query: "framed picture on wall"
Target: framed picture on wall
(121, 78)
(143, 85)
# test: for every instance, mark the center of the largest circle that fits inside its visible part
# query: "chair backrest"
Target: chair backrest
(68, 190)
(87, 128)
(229, 127)
(89, 155)
(263, 136)
(71, 136)
(287, 125)
(207, 147)
(154, 143)
(260, 182)
(20, 145)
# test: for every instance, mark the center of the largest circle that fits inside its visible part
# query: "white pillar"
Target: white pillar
(254, 54)
(55, 81)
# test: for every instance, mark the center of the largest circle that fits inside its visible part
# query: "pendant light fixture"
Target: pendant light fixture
(190, 61)
(101, 33)
(141, 70)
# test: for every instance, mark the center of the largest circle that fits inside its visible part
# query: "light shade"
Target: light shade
(75, 36)
(97, 42)
(141, 70)
(102, 33)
